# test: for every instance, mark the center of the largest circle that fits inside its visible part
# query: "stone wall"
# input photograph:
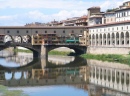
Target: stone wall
(108, 50)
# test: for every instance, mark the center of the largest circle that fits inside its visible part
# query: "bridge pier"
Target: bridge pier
(44, 52)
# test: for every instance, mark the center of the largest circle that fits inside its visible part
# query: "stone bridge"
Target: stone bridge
(40, 40)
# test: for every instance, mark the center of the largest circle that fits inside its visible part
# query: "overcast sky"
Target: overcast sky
(20, 12)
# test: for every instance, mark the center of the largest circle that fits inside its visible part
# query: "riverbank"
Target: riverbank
(21, 50)
(5, 92)
(54, 52)
(103, 57)
(125, 59)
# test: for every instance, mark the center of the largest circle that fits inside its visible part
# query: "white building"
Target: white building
(113, 35)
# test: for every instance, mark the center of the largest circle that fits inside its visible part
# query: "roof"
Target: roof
(109, 12)
(125, 8)
(40, 27)
(95, 16)
(94, 7)
(114, 23)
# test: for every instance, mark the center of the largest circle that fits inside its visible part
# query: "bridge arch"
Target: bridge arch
(78, 49)
(8, 38)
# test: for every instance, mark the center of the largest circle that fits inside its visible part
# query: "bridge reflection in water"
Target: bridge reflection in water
(33, 74)
(96, 77)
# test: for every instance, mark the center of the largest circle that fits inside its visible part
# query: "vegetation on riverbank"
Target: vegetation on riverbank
(109, 57)
(103, 57)
(21, 50)
(5, 92)
(53, 52)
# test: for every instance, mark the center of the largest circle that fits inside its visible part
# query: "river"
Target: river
(63, 76)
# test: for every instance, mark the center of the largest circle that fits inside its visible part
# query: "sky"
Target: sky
(21, 12)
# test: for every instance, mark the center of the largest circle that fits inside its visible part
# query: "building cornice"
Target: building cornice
(41, 27)
(114, 23)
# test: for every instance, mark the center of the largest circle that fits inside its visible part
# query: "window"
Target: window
(63, 31)
(72, 31)
(36, 31)
(27, 31)
(81, 31)
(45, 31)
(8, 31)
(54, 31)
(112, 28)
(17, 31)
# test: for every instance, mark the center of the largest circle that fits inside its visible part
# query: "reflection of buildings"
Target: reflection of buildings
(53, 73)
(94, 90)
(22, 60)
(75, 76)
(60, 59)
(109, 75)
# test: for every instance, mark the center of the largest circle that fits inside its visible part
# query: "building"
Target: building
(123, 12)
(81, 21)
(112, 35)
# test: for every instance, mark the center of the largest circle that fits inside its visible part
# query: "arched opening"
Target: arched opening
(104, 74)
(8, 76)
(122, 78)
(90, 39)
(100, 39)
(117, 77)
(93, 72)
(27, 39)
(127, 38)
(113, 39)
(97, 73)
(109, 75)
(108, 38)
(113, 76)
(122, 38)
(104, 39)
(17, 75)
(93, 39)
(96, 39)
(101, 73)
(62, 51)
(127, 79)
(117, 38)
(8, 38)
(18, 39)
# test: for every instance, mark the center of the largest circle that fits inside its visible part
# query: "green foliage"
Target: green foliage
(59, 53)
(129, 52)
(6, 92)
(21, 50)
(109, 57)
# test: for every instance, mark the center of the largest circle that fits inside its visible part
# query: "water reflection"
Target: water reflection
(95, 77)
(109, 78)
